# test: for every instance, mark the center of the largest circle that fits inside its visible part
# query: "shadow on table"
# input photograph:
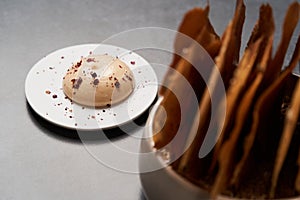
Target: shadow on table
(76, 136)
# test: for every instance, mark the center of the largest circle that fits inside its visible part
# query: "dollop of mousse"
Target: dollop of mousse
(98, 80)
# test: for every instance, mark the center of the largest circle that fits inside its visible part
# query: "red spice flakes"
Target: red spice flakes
(90, 60)
(90, 52)
(93, 117)
(54, 96)
(78, 64)
(120, 66)
(132, 62)
(110, 78)
(48, 92)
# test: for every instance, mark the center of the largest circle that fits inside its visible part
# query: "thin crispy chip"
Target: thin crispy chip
(227, 154)
(194, 23)
(228, 57)
(253, 87)
(263, 31)
(209, 41)
(264, 103)
(263, 106)
(191, 25)
(263, 64)
(225, 63)
(290, 22)
(235, 90)
(285, 140)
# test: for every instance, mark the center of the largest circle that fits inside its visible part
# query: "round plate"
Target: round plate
(44, 92)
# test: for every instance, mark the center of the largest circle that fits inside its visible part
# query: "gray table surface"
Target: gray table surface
(40, 161)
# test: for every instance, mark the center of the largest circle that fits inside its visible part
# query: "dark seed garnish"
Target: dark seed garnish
(96, 82)
(93, 74)
(117, 84)
(77, 83)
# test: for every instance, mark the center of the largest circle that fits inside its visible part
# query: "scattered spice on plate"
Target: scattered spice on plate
(117, 84)
(96, 82)
(94, 74)
(90, 60)
(77, 83)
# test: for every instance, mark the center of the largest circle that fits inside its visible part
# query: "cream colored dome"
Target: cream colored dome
(98, 80)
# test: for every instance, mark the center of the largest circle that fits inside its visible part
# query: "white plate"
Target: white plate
(47, 75)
